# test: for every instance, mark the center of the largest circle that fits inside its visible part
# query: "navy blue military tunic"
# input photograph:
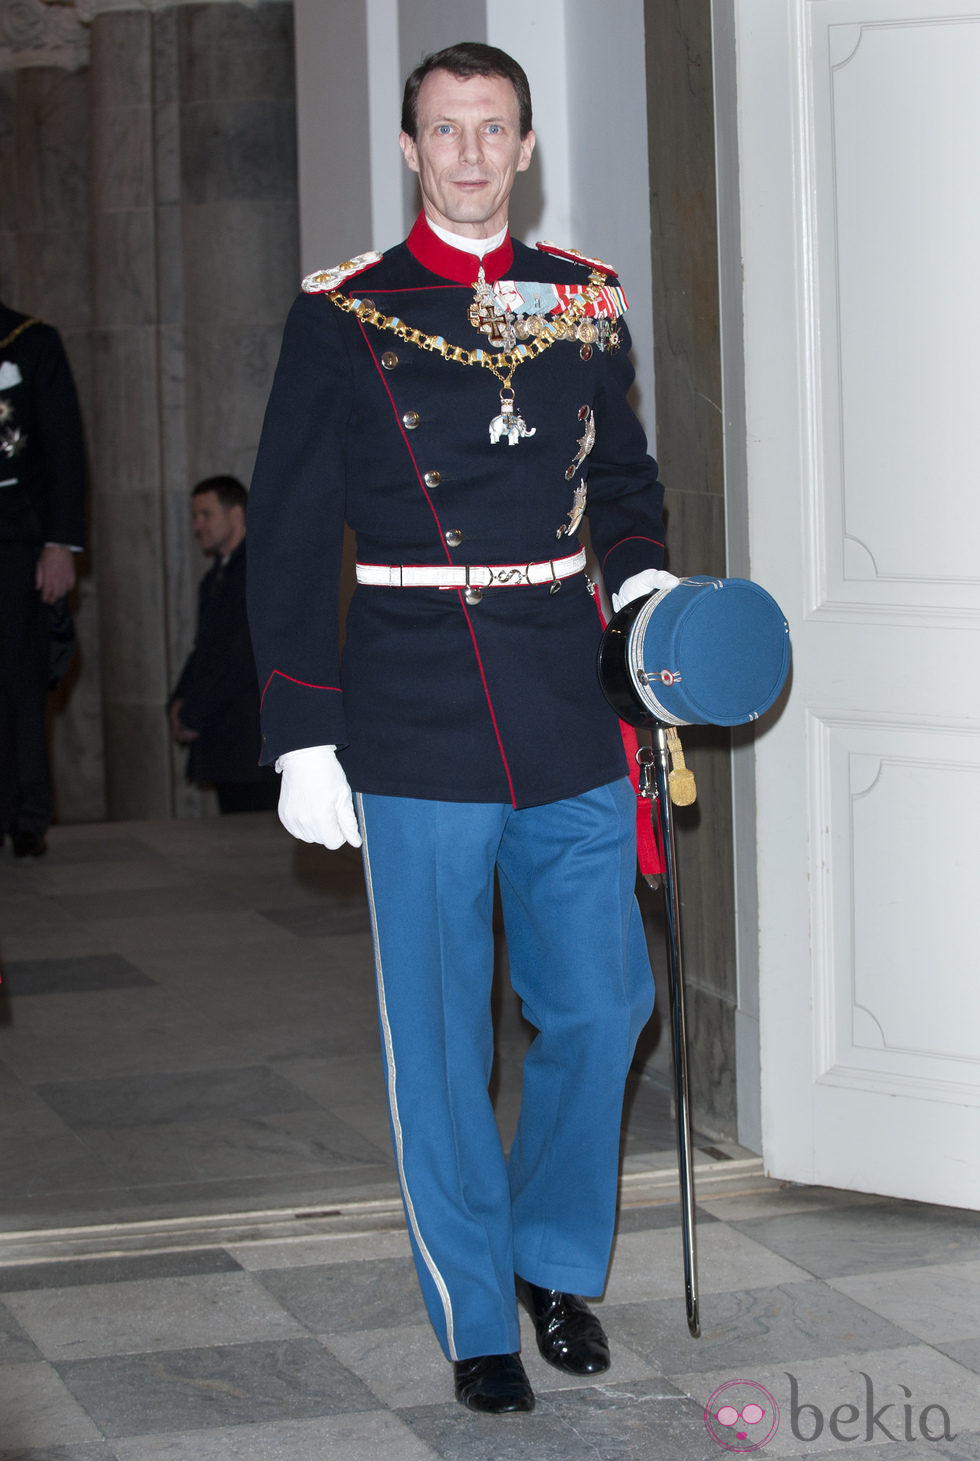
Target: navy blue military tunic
(436, 697)
(42, 450)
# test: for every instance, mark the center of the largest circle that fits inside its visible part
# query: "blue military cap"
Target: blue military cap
(706, 651)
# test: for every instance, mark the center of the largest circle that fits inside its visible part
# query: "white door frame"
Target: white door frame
(867, 785)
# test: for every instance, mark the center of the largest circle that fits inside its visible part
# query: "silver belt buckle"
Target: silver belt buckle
(511, 575)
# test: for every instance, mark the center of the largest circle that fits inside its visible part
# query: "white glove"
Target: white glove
(315, 803)
(641, 585)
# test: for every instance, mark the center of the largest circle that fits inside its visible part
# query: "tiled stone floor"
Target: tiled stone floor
(201, 1250)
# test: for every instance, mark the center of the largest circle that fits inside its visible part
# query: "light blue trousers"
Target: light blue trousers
(579, 963)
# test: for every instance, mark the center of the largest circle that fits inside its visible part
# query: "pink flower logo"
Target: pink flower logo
(741, 1416)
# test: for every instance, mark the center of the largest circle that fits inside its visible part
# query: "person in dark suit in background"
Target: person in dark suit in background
(214, 708)
(42, 525)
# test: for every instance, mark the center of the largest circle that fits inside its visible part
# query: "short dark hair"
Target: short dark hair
(468, 58)
(228, 490)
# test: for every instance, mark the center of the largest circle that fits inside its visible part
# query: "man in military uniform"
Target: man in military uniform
(460, 401)
(42, 522)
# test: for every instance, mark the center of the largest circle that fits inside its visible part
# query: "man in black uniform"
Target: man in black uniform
(42, 522)
(459, 401)
(214, 709)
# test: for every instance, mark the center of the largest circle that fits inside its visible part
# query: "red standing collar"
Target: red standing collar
(456, 264)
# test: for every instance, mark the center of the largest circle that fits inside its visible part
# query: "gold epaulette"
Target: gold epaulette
(575, 257)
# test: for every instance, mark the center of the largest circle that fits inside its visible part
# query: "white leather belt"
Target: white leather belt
(472, 575)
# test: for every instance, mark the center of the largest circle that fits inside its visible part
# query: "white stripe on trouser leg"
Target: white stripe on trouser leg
(396, 1124)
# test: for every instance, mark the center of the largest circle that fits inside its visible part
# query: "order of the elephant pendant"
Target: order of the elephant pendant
(510, 424)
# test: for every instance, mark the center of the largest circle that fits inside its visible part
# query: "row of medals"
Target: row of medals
(504, 329)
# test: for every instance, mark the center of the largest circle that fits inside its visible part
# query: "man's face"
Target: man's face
(217, 528)
(467, 151)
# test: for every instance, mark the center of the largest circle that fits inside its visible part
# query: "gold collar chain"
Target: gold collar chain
(502, 363)
(18, 330)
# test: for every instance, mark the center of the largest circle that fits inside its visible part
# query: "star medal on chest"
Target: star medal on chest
(12, 441)
(585, 442)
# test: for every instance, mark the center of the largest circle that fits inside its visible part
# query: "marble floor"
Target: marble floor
(202, 1254)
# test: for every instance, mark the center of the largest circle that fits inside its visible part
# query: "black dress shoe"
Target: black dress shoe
(29, 844)
(495, 1384)
(570, 1336)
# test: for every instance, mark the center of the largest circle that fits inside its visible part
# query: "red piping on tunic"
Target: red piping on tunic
(636, 538)
(408, 446)
(293, 681)
(469, 624)
(486, 691)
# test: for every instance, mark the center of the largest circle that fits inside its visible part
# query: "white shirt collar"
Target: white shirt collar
(477, 246)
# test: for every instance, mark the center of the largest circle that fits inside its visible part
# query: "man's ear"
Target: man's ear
(527, 147)
(409, 150)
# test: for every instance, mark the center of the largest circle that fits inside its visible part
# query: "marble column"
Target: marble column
(228, 263)
(126, 446)
(687, 367)
(195, 262)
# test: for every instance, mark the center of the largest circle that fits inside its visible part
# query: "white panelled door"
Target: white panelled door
(859, 145)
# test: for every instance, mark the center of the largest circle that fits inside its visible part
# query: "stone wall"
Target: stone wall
(154, 222)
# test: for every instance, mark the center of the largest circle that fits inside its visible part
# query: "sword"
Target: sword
(654, 766)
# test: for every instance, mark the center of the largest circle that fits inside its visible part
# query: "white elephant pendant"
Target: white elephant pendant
(510, 424)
